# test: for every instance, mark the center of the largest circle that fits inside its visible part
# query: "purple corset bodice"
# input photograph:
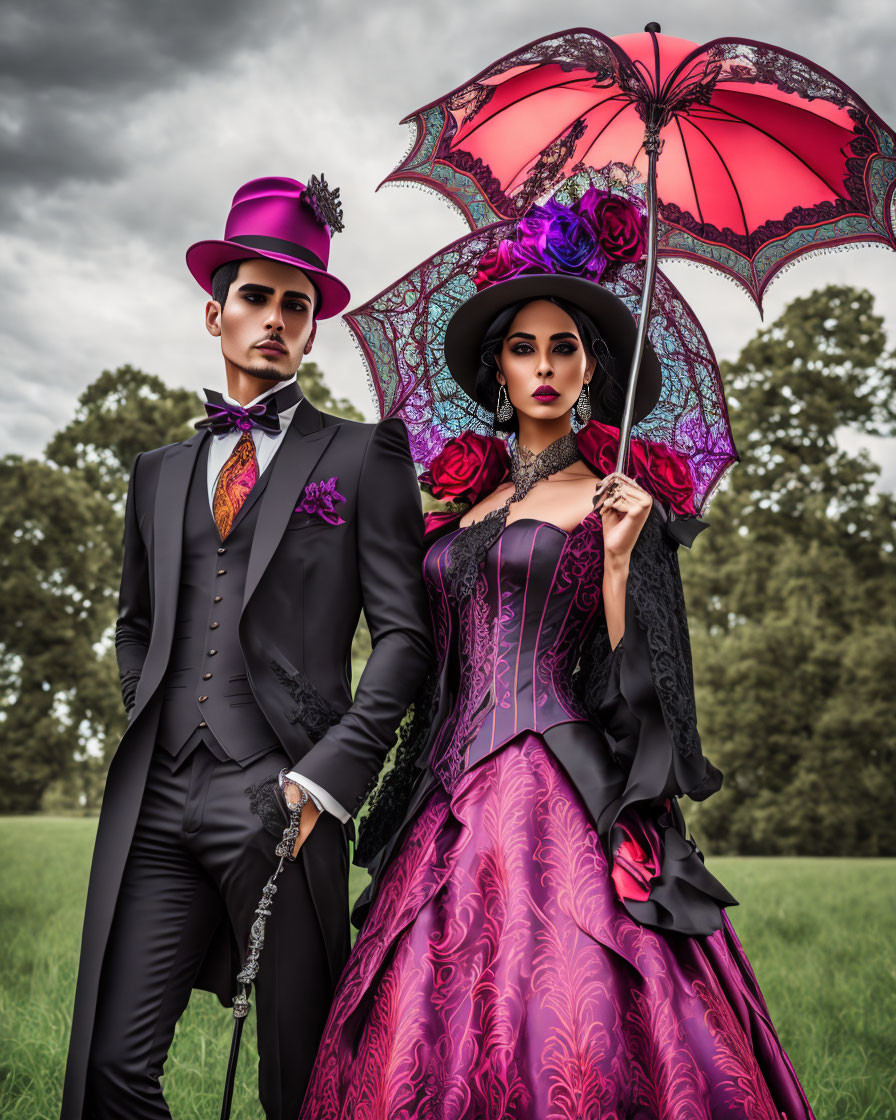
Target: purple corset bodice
(507, 652)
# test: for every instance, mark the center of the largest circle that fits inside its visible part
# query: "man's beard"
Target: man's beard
(265, 373)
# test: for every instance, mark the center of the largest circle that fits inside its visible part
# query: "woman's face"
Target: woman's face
(543, 362)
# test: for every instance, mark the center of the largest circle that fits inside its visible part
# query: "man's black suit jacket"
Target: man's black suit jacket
(306, 584)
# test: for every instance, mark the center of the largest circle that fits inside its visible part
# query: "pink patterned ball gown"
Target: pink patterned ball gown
(542, 941)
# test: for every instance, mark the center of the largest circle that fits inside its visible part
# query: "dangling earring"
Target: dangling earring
(583, 405)
(504, 411)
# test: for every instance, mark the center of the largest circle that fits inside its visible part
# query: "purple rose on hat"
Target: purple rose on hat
(571, 242)
(319, 499)
(578, 240)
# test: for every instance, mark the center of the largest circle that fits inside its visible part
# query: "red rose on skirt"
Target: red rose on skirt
(467, 468)
(637, 859)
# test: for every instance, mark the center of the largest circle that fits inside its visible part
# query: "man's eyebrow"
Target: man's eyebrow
(261, 289)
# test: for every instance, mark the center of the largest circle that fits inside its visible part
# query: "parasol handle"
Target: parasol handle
(285, 851)
(652, 146)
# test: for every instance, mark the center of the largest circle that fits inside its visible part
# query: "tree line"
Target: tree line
(790, 592)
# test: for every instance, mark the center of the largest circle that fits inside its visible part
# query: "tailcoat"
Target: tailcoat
(304, 586)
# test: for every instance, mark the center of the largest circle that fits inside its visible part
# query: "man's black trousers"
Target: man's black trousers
(199, 853)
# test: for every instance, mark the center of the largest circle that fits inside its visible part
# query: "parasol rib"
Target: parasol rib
(603, 128)
(721, 159)
(565, 128)
(780, 143)
(687, 159)
(487, 118)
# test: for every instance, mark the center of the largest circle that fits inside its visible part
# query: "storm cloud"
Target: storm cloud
(72, 76)
(125, 128)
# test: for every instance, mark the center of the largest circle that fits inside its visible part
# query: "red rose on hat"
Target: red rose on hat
(619, 225)
(622, 228)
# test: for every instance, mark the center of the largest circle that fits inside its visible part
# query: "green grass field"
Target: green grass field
(819, 933)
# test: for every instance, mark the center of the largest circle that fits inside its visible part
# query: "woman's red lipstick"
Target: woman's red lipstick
(545, 393)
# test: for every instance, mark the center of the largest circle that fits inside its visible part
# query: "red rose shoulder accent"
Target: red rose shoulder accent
(465, 470)
(664, 473)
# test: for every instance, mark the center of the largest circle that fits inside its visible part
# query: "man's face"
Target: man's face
(266, 325)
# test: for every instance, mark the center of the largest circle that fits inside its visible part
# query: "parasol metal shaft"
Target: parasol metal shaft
(230, 1081)
(652, 145)
(286, 853)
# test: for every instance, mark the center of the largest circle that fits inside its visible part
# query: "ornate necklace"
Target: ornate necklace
(527, 468)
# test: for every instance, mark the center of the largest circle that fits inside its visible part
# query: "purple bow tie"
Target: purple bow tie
(224, 417)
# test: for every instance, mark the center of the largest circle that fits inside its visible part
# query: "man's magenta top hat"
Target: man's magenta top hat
(281, 220)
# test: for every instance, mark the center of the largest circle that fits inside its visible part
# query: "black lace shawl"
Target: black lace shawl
(641, 694)
(655, 607)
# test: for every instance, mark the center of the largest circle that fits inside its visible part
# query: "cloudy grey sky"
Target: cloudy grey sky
(126, 126)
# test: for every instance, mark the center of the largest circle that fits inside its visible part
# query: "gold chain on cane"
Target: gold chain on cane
(285, 850)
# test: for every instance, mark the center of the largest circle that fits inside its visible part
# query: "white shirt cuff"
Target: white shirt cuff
(320, 797)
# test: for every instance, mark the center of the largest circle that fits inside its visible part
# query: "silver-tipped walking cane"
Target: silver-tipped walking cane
(246, 977)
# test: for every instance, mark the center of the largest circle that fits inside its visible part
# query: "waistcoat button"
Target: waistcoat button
(214, 625)
(202, 699)
(212, 652)
(218, 598)
(221, 572)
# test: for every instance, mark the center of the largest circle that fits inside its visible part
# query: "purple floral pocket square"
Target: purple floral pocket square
(319, 499)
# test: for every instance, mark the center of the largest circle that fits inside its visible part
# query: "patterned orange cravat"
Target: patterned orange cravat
(238, 475)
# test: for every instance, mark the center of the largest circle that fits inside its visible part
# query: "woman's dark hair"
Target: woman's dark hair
(225, 274)
(602, 389)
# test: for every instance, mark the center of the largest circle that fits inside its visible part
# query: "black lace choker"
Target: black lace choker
(527, 467)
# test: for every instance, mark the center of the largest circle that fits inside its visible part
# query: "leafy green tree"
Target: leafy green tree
(125, 411)
(61, 524)
(311, 378)
(792, 593)
(57, 679)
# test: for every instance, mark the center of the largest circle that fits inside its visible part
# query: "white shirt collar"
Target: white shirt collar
(261, 396)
